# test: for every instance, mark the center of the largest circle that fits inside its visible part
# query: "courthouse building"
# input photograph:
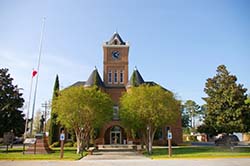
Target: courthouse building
(116, 82)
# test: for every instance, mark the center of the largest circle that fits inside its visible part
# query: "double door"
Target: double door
(115, 137)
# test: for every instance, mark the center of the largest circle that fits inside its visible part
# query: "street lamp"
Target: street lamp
(148, 129)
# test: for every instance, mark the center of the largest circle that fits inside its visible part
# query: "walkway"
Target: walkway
(115, 155)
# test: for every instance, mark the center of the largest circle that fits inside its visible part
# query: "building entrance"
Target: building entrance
(115, 135)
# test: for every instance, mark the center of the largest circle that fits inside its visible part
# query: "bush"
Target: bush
(193, 138)
(68, 144)
(55, 144)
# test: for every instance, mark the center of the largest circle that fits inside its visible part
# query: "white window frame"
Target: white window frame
(115, 112)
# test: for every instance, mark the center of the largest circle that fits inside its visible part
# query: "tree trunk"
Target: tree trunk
(150, 134)
(151, 139)
(150, 143)
(78, 141)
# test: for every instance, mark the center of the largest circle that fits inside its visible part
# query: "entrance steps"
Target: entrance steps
(117, 147)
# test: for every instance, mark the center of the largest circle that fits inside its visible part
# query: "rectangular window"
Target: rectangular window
(110, 77)
(121, 76)
(115, 113)
(115, 77)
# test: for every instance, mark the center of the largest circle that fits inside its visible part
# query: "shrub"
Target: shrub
(68, 144)
(193, 138)
(55, 144)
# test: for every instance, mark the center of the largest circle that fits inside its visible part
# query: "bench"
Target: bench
(90, 150)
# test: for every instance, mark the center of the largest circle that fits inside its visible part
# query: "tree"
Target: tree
(11, 118)
(226, 110)
(37, 121)
(248, 99)
(83, 110)
(192, 109)
(185, 118)
(54, 126)
(146, 108)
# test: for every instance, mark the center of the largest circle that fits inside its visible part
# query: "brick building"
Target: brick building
(115, 82)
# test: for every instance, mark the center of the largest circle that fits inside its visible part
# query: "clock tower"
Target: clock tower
(115, 67)
(115, 62)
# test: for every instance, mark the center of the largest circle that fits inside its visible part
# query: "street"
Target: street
(171, 162)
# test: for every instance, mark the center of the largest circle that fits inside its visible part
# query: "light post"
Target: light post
(149, 140)
(169, 143)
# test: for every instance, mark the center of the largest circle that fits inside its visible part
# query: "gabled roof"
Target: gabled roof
(116, 40)
(135, 79)
(94, 79)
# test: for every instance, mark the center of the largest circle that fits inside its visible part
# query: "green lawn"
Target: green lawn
(200, 152)
(16, 154)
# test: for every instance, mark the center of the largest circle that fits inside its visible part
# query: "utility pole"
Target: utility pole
(46, 106)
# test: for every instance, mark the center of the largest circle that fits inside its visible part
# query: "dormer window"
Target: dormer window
(115, 42)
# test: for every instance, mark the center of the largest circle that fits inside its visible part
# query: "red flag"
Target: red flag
(34, 72)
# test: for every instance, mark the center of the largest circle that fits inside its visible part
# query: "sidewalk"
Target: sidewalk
(115, 155)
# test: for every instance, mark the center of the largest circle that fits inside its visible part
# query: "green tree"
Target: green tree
(37, 121)
(54, 125)
(146, 108)
(248, 99)
(10, 102)
(83, 110)
(192, 110)
(226, 110)
(185, 120)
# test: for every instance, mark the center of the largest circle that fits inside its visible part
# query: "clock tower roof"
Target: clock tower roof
(115, 40)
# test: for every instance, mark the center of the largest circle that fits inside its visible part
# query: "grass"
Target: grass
(158, 153)
(201, 152)
(17, 154)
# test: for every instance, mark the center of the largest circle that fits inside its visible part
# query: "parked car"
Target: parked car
(227, 140)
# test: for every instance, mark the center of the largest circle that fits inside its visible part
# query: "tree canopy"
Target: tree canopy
(226, 110)
(83, 110)
(11, 118)
(146, 108)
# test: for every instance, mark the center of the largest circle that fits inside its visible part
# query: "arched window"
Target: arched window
(115, 128)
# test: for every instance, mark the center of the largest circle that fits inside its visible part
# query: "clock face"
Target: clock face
(115, 55)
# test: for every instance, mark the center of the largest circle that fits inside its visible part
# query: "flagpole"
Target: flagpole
(38, 66)
(28, 111)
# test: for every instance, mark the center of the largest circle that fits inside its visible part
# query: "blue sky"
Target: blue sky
(177, 43)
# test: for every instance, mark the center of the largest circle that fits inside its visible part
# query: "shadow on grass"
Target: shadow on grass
(199, 151)
(17, 154)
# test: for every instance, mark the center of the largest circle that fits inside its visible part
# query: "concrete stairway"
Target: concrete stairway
(117, 147)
